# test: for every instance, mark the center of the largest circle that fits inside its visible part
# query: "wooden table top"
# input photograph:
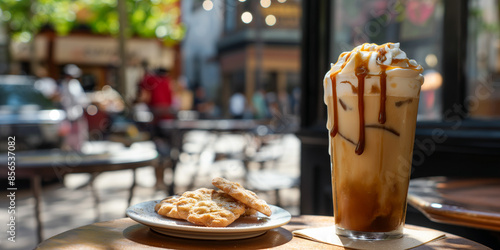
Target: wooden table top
(473, 202)
(127, 234)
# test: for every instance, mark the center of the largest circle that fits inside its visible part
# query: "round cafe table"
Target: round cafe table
(471, 202)
(103, 157)
(127, 234)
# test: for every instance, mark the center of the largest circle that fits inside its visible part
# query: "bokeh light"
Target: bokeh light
(161, 31)
(431, 60)
(432, 80)
(92, 110)
(208, 5)
(246, 17)
(25, 37)
(265, 3)
(270, 20)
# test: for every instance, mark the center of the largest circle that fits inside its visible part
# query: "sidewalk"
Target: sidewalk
(65, 206)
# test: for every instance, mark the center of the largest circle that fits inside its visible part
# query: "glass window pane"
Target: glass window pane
(415, 24)
(483, 60)
(259, 58)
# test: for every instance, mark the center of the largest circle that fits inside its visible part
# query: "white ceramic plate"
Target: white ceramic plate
(244, 227)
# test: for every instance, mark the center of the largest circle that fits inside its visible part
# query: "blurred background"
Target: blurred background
(210, 49)
(77, 72)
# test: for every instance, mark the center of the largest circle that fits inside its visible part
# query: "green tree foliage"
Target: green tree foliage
(146, 18)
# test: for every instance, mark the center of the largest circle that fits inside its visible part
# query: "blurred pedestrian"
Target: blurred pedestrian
(273, 106)
(156, 92)
(201, 104)
(183, 97)
(46, 85)
(260, 108)
(237, 105)
(74, 101)
(295, 100)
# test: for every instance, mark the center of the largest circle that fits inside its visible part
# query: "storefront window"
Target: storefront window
(457, 43)
(483, 64)
(260, 45)
(416, 25)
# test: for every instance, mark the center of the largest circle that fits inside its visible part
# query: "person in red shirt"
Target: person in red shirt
(156, 92)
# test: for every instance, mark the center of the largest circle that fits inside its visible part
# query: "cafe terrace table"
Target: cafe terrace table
(214, 125)
(471, 202)
(174, 129)
(127, 234)
(177, 127)
(104, 157)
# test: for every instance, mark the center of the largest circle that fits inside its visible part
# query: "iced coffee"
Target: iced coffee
(372, 97)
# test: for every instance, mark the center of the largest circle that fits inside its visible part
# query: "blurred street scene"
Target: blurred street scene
(109, 103)
(93, 93)
(69, 203)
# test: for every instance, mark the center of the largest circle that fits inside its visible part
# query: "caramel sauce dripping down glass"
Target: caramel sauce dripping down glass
(370, 182)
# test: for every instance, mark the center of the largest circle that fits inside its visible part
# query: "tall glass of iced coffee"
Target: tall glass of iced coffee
(372, 95)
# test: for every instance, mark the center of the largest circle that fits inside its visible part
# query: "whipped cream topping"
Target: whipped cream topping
(370, 69)
(404, 76)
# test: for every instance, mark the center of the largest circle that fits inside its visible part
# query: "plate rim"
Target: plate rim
(204, 236)
(284, 219)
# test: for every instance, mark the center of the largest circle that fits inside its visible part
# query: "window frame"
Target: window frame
(455, 133)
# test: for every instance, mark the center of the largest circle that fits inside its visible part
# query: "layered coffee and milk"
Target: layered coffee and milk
(372, 97)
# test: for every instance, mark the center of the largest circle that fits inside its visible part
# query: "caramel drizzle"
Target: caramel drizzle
(333, 78)
(354, 90)
(361, 72)
(383, 84)
(334, 130)
(383, 94)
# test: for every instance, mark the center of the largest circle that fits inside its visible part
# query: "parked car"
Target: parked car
(35, 121)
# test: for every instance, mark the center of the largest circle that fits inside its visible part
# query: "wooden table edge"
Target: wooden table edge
(295, 243)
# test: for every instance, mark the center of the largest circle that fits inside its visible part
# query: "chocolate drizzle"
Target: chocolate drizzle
(344, 106)
(376, 126)
(400, 103)
(347, 139)
(390, 130)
